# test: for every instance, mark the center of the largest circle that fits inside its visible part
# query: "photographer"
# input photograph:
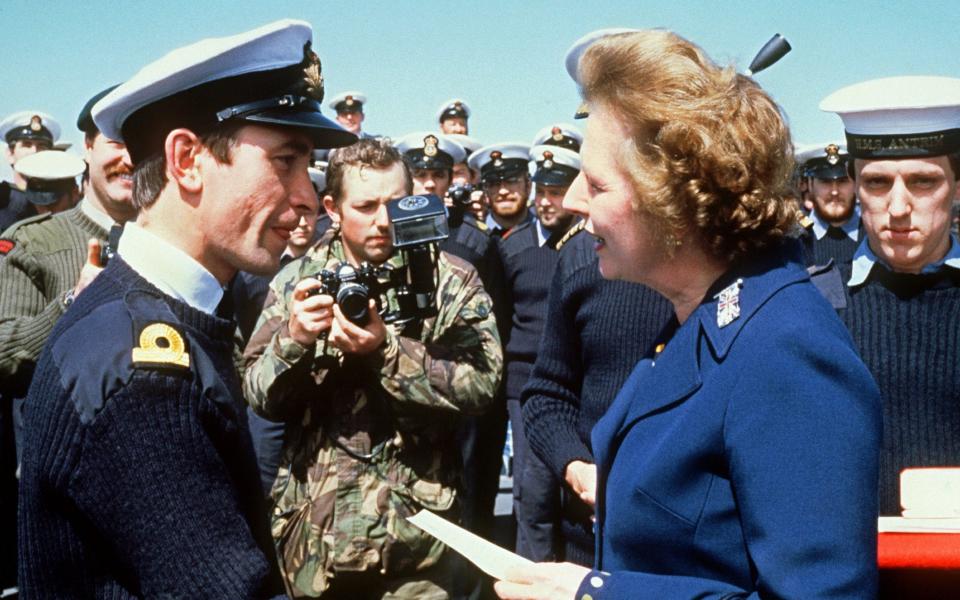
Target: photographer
(371, 410)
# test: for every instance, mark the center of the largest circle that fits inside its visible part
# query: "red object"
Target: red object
(918, 550)
(6, 246)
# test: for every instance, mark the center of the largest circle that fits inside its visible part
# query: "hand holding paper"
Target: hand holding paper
(519, 577)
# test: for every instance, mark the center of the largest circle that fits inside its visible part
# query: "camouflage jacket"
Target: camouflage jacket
(369, 439)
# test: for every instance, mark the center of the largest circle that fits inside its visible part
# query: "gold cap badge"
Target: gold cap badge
(497, 157)
(36, 123)
(547, 159)
(161, 344)
(430, 145)
(312, 77)
(833, 154)
(557, 134)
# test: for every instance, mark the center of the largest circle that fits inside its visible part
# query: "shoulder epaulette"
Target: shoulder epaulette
(24, 222)
(569, 234)
(805, 221)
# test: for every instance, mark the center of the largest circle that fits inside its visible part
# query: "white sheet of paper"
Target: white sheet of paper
(916, 525)
(489, 558)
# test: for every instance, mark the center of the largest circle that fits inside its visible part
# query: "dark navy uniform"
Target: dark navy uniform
(715, 450)
(14, 205)
(152, 420)
(481, 437)
(528, 269)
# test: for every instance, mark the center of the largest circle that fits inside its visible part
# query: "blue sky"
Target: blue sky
(504, 58)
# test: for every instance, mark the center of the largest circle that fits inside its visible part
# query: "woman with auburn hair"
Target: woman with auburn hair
(740, 457)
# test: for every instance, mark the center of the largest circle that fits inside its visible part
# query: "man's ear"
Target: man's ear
(181, 150)
(88, 147)
(330, 206)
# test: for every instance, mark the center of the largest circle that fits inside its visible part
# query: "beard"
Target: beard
(835, 212)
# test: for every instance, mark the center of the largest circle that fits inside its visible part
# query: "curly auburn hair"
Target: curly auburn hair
(709, 153)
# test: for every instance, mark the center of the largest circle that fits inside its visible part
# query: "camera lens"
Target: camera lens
(353, 299)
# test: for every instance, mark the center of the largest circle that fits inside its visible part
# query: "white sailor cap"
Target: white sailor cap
(827, 160)
(268, 75)
(469, 144)
(318, 178)
(348, 102)
(29, 125)
(49, 174)
(430, 150)
(560, 134)
(575, 53)
(555, 165)
(500, 161)
(899, 117)
(454, 107)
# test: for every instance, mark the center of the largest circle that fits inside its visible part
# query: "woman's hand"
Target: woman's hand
(582, 479)
(542, 581)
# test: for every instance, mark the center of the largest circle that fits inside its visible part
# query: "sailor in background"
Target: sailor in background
(902, 291)
(453, 117)
(834, 221)
(563, 135)
(24, 133)
(505, 179)
(529, 256)
(349, 109)
(51, 177)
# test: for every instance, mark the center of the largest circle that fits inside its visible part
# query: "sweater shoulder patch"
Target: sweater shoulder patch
(6, 246)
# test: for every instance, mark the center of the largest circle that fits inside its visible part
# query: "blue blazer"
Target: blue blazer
(742, 460)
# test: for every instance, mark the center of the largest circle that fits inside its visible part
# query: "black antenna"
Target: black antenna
(772, 51)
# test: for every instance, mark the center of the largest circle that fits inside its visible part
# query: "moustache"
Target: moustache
(118, 170)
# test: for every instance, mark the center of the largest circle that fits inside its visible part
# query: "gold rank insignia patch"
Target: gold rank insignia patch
(161, 344)
(833, 154)
(430, 145)
(557, 134)
(497, 158)
(36, 123)
(349, 101)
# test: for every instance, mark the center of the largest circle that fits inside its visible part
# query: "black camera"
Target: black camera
(459, 202)
(417, 223)
(109, 250)
(352, 289)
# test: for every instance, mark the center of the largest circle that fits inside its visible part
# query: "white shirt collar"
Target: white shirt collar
(542, 234)
(169, 268)
(851, 227)
(865, 259)
(96, 215)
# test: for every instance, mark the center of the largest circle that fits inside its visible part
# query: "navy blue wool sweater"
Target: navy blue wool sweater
(835, 245)
(905, 327)
(139, 479)
(528, 270)
(598, 330)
